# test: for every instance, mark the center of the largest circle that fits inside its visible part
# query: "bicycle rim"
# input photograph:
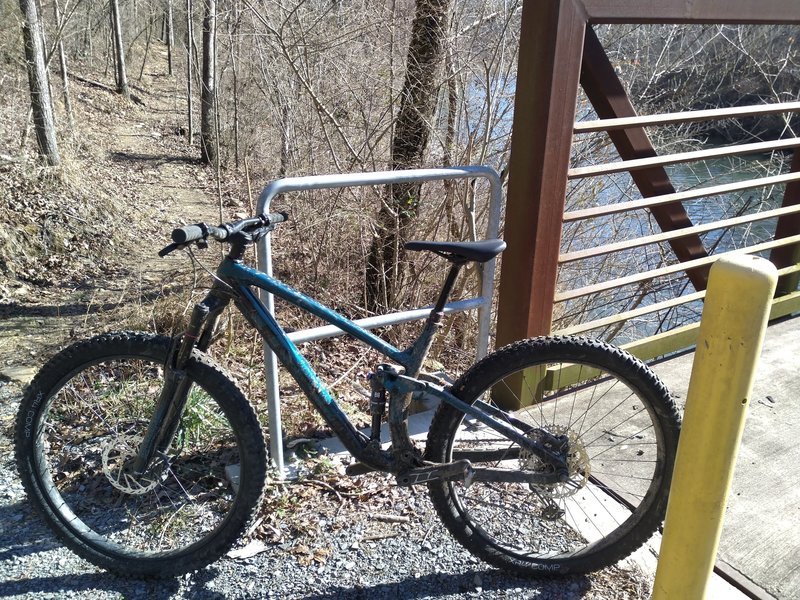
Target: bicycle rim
(90, 430)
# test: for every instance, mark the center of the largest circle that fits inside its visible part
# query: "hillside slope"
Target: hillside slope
(79, 245)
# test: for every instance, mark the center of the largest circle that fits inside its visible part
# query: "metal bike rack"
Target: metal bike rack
(319, 182)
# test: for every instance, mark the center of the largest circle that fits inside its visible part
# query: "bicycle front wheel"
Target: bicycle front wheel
(621, 427)
(80, 424)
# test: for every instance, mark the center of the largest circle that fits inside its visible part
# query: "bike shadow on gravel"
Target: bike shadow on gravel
(75, 583)
(477, 583)
(24, 537)
(20, 534)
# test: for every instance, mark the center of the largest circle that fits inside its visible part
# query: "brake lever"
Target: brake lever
(168, 249)
(201, 244)
(260, 233)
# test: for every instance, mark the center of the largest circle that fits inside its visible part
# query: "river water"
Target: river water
(619, 188)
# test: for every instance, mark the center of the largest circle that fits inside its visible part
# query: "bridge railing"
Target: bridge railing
(559, 54)
(682, 336)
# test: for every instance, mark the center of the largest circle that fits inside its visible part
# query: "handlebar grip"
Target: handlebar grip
(189, 233)
(277, 217)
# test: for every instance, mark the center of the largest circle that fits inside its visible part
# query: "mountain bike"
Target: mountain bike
(550, 455)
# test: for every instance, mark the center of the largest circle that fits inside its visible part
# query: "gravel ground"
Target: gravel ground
(363, 558)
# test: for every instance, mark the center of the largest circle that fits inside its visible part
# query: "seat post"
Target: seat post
(419, 350)
(438, 310)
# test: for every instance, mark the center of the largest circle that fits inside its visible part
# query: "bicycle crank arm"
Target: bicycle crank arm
(460, 469)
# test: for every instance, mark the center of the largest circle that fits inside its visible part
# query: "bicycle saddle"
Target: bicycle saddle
(461, 251)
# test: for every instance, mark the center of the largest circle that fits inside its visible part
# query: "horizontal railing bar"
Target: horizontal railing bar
(630, 314)
(681, 12)
(676, 234)
(663, 343)
(785, 305)
(690, 116)
(677, 267)
(788, 270)
(681, 157)
(684, 337)
(329, 331)
(716, 190)
(650, 308)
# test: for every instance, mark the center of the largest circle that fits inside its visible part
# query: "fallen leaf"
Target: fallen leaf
(251, 549)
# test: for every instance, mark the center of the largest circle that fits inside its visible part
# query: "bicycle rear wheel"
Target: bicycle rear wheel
(82, 419)
(622, 429)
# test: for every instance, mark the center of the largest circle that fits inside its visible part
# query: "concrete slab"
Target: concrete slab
(761, 534)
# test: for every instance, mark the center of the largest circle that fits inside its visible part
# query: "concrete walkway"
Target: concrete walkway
(760, 542)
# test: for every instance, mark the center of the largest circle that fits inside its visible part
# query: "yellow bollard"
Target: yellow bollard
(729, 342)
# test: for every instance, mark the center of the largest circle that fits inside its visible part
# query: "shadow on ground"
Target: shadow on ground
(445, 584)
(30, 538)
(152, 159)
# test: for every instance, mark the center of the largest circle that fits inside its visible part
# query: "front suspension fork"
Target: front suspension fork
(165, 422)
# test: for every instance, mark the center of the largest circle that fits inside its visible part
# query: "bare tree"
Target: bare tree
(170, 36)
(119, 51)
(208, 126)
(62, 59)
(411, 133)
(41, 103)
(189, 71)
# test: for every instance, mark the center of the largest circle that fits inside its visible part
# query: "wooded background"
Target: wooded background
(272, 89)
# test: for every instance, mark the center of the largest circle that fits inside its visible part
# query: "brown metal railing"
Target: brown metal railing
(645, 347)
(560, 52)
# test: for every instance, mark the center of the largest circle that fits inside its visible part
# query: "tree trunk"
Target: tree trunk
(170, 37)
(119, 51)
(62, 59)
(88, 39)
(235, 52)
(208, 133)
(146, 47)
(411, 132)
(189, 71)
(41, 103)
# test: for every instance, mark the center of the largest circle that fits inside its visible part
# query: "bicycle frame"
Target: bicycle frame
(240, 278)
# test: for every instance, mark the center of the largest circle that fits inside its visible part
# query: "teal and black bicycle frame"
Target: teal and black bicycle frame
(237, 281)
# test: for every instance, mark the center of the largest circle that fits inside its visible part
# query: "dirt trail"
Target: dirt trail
(160, 179)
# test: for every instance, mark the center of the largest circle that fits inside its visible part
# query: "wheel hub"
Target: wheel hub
(577, 459)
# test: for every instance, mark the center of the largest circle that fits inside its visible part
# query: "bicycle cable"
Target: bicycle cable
(196, 261)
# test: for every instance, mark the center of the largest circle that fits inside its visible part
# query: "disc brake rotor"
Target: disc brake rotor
(117, 454)
(578, 466)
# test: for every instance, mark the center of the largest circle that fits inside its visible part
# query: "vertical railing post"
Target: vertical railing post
(732, 330)
(550, 50)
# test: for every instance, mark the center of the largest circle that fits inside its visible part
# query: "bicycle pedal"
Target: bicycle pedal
(460, 469)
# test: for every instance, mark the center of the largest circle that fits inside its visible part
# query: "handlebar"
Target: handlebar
(200, 231)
